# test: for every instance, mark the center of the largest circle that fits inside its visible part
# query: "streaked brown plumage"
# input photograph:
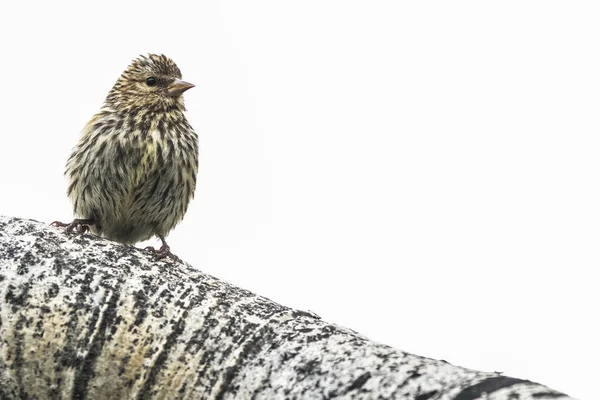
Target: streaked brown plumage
(133, 172)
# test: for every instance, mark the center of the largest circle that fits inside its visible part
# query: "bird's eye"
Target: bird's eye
(151, 81)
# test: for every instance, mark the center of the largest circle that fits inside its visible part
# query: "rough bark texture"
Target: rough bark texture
(83, 317)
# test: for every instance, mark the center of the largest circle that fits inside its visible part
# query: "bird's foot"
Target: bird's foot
(163, 252)
(78, 225)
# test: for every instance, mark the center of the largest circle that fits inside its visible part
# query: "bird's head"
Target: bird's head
(151, 82)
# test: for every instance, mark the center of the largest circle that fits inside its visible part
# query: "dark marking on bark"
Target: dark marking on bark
(250, 348)
(549, 394)
(86, 371)
(141, 303)
(300, 313)
(4, 394)
(17, 300)
(359, 382)
(18, 362)
(413, 375)
(26, 259)
(426, 396)
(308, 368)
(488, 385)
(150, 381)
(198, 341)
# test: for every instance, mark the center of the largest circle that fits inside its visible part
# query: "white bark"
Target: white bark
(83, 317)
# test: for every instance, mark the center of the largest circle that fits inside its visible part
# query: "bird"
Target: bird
(132, 174)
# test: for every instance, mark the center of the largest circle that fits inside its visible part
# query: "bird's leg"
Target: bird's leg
(78, 224)
(163, 252)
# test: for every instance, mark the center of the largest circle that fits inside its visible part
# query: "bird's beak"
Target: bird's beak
(177, 87)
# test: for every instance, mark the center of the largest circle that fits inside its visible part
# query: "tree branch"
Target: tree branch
(83, 317)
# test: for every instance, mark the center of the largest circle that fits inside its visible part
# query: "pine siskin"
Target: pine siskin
(133, 172)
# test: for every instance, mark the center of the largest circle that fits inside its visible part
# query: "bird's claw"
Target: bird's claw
(163, 252)
(78, 226)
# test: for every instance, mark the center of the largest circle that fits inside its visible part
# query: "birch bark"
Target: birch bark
(83, 317)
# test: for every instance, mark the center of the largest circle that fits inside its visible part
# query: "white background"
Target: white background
(426, 173)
